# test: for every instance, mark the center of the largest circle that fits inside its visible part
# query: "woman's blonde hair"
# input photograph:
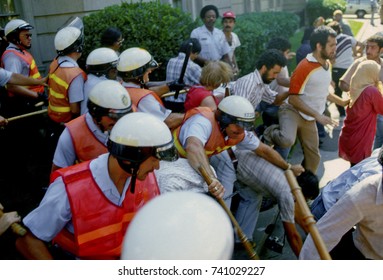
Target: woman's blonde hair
(215, 73)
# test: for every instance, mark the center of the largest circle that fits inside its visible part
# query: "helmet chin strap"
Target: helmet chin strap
(131, 168)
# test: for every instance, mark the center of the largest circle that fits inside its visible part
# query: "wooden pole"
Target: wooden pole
(27, 115)
(16, 228)
(172, 93)
(245, 242)
(308, 218)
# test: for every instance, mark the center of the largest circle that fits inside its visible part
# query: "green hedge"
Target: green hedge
(156, 27)
(160, 29)
(256, 29)
(324, 8)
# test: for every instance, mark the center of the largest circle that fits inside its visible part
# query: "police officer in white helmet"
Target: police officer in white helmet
(85, 137)
(134, 67)
(17, 59)
(66, 81)
(89, 206)
(101, 64)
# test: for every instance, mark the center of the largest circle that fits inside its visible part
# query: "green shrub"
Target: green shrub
(256, 29)
(156, 27)
(324, 8)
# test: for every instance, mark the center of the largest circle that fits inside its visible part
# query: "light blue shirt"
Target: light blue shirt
(54, 212)
(213, 44)
(65, 154)
(336, 188)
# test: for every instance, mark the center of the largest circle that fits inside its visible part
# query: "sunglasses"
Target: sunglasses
(27, 36)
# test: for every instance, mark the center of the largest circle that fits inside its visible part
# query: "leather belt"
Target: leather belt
(233, 158)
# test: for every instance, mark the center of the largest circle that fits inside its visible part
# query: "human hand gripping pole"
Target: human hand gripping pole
(308, 218)
(183, 70)
(245, 242)
(16, 227)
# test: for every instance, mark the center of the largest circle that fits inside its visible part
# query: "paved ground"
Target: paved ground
(331, 166)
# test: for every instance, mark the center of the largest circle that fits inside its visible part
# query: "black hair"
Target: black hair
(336, 26)
(320, 35)
(309, 184)
(270, 58)
(376, 39)
(110, 36)
(279, 43)
(185, 46)
(207, 8)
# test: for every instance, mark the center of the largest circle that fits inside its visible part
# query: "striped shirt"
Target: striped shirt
(173, 72)
(253, 89)
(344, 51)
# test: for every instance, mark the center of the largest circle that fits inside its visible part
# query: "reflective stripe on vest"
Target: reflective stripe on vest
(33, 70)
(99, 225)
(60, 79)
(216, 143)
(85, 143)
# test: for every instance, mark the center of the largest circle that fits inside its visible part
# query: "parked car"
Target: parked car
(358, 7)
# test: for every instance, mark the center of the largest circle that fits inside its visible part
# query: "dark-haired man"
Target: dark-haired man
(255, 86)
(192, 72)
(309, 91)
(213, 41)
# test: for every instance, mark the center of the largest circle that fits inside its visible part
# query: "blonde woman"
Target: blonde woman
(213, 75)
(366, 102)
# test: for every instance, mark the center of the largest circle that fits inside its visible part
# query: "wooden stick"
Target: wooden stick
(27, 115)
(172, 93)
(245, 242)
(16, 227)
(308, 217)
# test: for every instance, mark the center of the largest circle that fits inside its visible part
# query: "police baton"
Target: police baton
(184, 65)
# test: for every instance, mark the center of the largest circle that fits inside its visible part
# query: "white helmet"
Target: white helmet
(134, 62)
(236, 110)
(137, 136)
(179, 226)
(16, 25)
(109, 98)
(68, 39)
(101, 60)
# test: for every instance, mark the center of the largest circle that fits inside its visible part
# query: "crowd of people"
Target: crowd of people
(113, 141)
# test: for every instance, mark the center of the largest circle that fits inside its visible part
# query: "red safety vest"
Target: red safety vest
(99, 225)
(33, 70)
(60, 79)
(85, 143)
(136, 94)
(216, 143)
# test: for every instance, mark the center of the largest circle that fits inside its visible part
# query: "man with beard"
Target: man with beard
(255, 86)
(213, 41)
(309, 91)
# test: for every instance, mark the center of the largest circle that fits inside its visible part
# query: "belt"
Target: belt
(233, 158)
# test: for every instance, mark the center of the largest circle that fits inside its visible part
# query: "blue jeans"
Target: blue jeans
(317, 207)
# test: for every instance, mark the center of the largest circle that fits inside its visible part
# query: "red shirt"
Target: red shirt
(196, 95)
(358, 131)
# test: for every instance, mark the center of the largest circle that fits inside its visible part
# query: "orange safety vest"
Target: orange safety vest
(33, 70)
(216, 143)
(60, 79)
(99, 225)
(136, 95)
(85, 143)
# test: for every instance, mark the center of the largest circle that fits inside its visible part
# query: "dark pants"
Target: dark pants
(346, 250)
(337, 73)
